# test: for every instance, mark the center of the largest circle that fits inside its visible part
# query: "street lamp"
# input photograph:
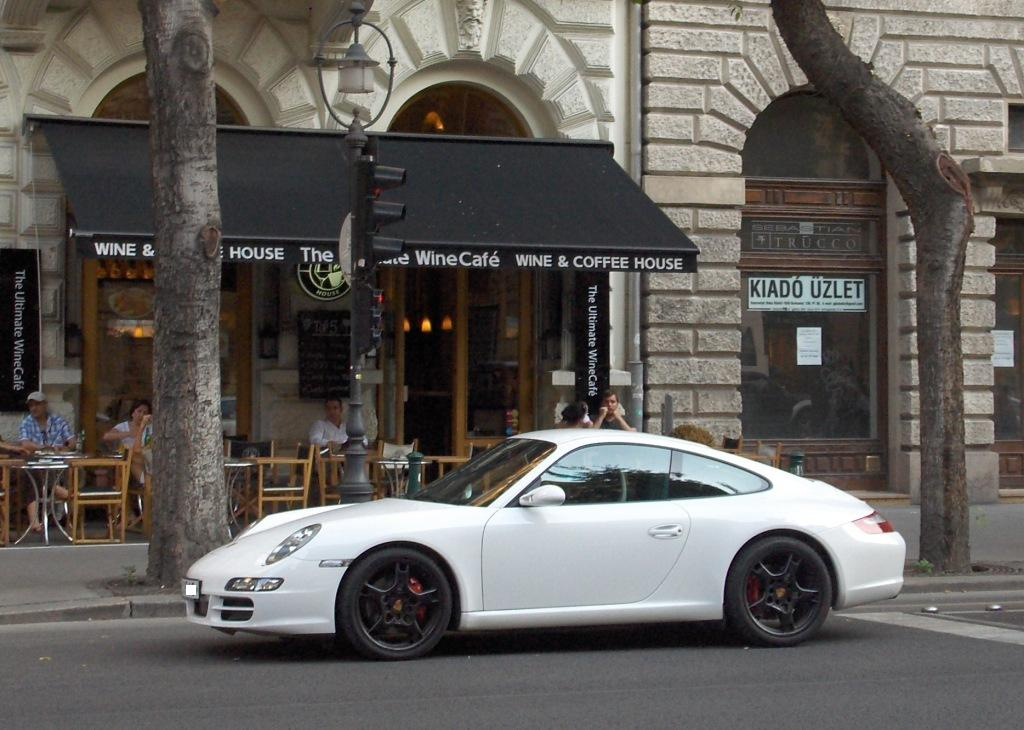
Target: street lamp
(355, 76)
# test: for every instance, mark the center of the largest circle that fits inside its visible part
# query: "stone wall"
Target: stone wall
(708, 72)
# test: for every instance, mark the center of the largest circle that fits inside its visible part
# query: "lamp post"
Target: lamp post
(355, 76)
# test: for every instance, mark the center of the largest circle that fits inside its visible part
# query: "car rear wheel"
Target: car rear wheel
(394, 604)
(778, 592)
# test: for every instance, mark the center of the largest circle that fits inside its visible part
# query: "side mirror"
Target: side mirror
(546, 495)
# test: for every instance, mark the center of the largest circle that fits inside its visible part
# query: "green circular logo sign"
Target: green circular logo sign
(323, 282)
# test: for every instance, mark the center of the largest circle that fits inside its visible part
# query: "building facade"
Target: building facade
(799, 326)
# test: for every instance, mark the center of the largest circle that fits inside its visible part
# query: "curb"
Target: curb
(152, 606)
(962, 583)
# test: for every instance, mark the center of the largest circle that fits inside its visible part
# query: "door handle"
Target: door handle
(665, 532)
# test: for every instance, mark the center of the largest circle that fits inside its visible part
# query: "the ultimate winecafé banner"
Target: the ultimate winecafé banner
(19, 327)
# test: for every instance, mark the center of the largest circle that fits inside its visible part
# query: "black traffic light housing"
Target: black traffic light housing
(369, 308)
(372, 213)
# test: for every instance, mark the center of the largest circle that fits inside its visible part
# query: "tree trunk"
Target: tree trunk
(937, 194)
(189, 501)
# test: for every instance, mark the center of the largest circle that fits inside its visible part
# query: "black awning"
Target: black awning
(470, 202)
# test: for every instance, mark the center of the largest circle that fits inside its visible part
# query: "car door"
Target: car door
(613, 541)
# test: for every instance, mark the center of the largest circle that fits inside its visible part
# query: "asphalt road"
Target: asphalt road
(857, 673)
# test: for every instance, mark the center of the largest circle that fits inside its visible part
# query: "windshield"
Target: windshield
(483, 479)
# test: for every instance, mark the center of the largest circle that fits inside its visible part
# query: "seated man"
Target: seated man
(331, 428)
(42, 430)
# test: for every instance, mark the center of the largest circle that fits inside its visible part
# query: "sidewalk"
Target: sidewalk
(69, 583)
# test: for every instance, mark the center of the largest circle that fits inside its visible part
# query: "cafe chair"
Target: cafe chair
(99, 483)
(763, 452)
(7, 483)
(238, 449)
(284, 481)
(330, 467)
(140, 497)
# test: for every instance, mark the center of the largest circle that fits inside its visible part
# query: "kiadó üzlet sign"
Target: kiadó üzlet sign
(805, 294)
(469, 258)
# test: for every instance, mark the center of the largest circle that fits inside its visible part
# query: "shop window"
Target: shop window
(1008, 377)
(1016, 127)
(808, 353)
(458, 109)
(812, 273)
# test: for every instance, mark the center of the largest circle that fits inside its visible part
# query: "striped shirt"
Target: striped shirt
(57, 433)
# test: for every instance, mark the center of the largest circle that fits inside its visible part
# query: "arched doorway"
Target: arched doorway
(117, 319)
(812, 265)
(462, 372)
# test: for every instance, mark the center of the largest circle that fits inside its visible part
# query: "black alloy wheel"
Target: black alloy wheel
(778, 592)
(394, 604)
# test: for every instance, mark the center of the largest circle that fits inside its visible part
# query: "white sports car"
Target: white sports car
(569, 527)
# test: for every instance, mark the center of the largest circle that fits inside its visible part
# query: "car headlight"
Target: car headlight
(292, 543)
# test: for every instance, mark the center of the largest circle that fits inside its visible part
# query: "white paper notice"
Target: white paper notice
(808, 345)
(1002, 351)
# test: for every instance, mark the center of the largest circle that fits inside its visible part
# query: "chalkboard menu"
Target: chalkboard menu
(323, 354)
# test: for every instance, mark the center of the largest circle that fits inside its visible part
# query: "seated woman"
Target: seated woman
(133, 434)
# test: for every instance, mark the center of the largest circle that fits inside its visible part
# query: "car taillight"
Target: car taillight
(874, 524)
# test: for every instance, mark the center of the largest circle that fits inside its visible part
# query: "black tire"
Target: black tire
(394, 604)
(778, 592)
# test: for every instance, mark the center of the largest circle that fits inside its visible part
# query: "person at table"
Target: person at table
(41, 429)
(331, 428)
(573, 416)
(9, 449)
(133, 434)
(610, 415)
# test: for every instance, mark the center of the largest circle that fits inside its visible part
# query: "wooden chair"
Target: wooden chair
(763, 452)
(8, 481)
(139, 497)
(330, 467)
(284, 480)
(87, 492)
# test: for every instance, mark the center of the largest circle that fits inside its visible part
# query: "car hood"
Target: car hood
(354, 527)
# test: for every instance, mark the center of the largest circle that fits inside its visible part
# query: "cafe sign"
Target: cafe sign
(806, 294)
(323, 282)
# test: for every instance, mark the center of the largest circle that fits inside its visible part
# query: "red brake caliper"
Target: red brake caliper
(753, 590)
(417, 588)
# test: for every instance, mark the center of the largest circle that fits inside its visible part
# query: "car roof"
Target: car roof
(579, 436)
(573, 437)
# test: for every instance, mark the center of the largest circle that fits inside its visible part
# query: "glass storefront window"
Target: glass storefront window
(808, 356)
(125, 318)
(1006, 370)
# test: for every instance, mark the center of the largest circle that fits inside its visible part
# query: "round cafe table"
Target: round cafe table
(44, 474)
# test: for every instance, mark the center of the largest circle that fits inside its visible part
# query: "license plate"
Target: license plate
(190, 588)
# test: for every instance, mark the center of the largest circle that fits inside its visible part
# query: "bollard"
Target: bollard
(796, 463)
(415, 472)
(667, 416)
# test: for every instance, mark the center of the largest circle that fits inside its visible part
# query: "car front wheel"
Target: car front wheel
(778, 592)
(394, 604)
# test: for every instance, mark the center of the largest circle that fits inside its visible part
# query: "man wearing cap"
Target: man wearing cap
(43, 430)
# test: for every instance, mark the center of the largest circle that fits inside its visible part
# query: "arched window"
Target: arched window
(458, 108)
(803, 136)
(130, 100)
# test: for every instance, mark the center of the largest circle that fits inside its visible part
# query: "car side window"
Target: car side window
(606, 473)
(698, 476)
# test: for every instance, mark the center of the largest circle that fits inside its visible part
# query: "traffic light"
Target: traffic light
(375, 179)
(369, 308)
